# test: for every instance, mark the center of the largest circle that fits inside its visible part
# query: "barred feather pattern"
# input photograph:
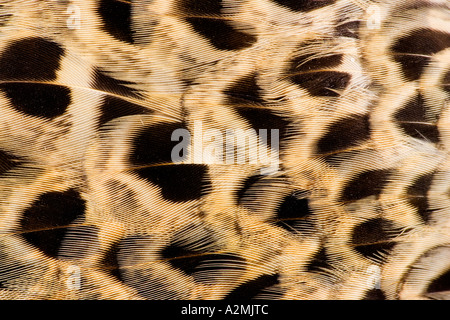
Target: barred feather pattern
(93, 205)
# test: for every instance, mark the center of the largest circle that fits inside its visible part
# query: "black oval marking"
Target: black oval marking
(366, 184)
(7, 162)
(417, 195)
(153, 144)
(320, 262)
(292, 213)
(413, 120)
(262, 118)
(414, 110)
(375, 236)
(104, 82)
(306, 63)
(31, 59)
(344, 134)
(178, 183)
(412, 66)
(38, 99)
(440, 284)
(116, 18)
(220, 34)
(44, 223)
(304, 5)
(374, 294)
(113, 107)
(413, 51)
(422, 41)
(322, 83)
(253, 288)
(200, 8)
(244, 91)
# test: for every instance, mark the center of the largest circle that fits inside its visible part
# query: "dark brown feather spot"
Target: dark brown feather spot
(366, 184)
(304, 5)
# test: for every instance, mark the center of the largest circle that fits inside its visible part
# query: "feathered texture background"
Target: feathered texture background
(93, 206)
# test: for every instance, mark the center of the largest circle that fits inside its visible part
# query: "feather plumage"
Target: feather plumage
(347, 200)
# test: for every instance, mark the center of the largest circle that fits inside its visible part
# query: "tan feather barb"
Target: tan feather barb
(224, 149)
